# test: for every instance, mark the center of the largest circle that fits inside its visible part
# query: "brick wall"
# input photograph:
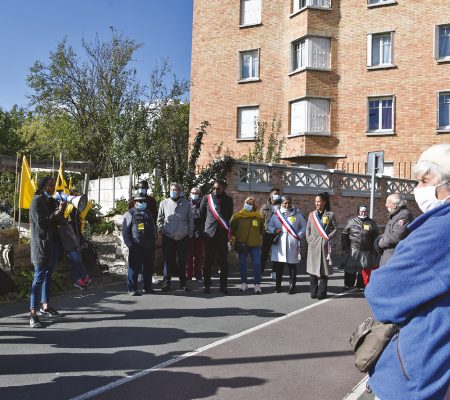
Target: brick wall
(415, 80)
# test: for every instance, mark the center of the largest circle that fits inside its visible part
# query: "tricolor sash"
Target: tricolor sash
(217, 216)
(287, 225)
(319, 226)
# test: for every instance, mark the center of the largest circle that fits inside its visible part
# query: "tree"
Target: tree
(10, 124)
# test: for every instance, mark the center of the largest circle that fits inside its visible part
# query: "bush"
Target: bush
(120, 208)
(102, 226)
(6, 221)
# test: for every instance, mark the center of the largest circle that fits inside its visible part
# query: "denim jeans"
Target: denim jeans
(78, 269)
(255, 254)
(140, 259)
(40, 289)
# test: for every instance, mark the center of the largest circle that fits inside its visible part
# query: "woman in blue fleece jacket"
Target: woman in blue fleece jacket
(416, 364)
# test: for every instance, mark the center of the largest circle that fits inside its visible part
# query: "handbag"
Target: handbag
(371, 337)
(369, 340)
(68, 237)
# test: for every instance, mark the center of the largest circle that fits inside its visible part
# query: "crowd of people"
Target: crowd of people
(410, 288)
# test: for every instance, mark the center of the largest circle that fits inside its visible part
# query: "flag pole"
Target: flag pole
(20, 213)
(15, 190)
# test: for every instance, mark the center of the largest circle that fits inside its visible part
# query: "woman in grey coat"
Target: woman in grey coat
(320, 229)
(288, 224)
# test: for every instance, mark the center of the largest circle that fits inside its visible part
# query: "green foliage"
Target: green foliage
(7, 182)
(93, 214)
(102, 226)
(10, 123)
(272, 151)
(216, 171)
(25, 281)
(120, 208)
(6, 221)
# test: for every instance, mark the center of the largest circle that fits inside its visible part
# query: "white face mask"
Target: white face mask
(248, 207)
(426, 197)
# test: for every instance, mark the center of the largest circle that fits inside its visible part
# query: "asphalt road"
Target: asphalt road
(106, 336)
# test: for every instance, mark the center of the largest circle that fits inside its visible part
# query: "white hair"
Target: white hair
(428, 167)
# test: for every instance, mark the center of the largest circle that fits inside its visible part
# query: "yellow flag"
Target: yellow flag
(83, 215)
(70, 183)
(27, 185)
(61, 184)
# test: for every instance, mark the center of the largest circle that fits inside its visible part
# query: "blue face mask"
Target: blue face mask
(174, 194)
(276, 197)
(47, 195)
(195, 197)
(248, 207)
(141, 206)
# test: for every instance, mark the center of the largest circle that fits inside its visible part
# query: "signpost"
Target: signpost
(375, 164)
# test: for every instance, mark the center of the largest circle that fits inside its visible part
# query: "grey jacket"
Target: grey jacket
(175, 218)
(396, 230)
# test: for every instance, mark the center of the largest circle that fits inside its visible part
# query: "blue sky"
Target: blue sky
(30, 29)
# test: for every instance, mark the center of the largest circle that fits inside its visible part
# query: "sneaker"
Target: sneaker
(257, 289)
(243, 287)
(87, 279)
(148, 291)
(49, 312)
(80, 284)
(134, 293)
(34, 321)
(155, 280)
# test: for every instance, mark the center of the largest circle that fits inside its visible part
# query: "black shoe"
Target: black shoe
(207, 290)
(321, 296)
(34, 321)
(134, 293)
(292, 289)
(224, 289)
(278, 289)
(185, 288)
(49, 312)
(346, 288)
(165, 287)
(148, 291)
(314, 295)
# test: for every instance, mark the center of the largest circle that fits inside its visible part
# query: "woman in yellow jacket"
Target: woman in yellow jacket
(247, 227)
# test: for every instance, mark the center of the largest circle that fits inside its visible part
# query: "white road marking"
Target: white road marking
(175, 360)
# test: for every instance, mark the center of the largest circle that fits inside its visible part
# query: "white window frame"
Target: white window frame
(437, 42)
(239, 136)
(310, 56)
(441, 128)
(241, 64)
(378, 3)
(379, 131)
(300, 5)
(370, 38)
(389, 166)
(258, 8)
(305, 126)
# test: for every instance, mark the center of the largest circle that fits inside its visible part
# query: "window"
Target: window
(388, 168)
(310, 115)
(380, 2)
(444, 111)
(249, 65)
(442, 42)
(379, 49)
(248, 122)
(250, 12)
(381, 114)
(298, 5)
(311, 52)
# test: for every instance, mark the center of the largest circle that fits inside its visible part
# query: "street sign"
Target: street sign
(375, 162)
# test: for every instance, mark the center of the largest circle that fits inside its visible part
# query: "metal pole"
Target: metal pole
(372, 189)
(130, 182)
(98, 198)
(86, 184)
(16, 184)
(113, 191)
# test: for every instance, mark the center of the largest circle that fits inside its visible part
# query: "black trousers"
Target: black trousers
(278, 268)
(175, 254)
(216, 251)
(318, 286)
(351, 277)
(265, 249)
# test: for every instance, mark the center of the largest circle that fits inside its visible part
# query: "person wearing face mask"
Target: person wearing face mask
(46, 247)
(176, 225)
(267, 211)
(357, 239)
(396, 227)
(416, 364)
(247, 227)
(289, 225)
(216, 210)
(320, 229)
(196, 244)
(139, 235)
(144, 189)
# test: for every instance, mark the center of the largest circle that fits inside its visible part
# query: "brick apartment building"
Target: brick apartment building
(344, 77)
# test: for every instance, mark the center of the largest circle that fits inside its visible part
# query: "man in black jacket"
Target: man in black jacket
(396, 227)
(216, 210)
